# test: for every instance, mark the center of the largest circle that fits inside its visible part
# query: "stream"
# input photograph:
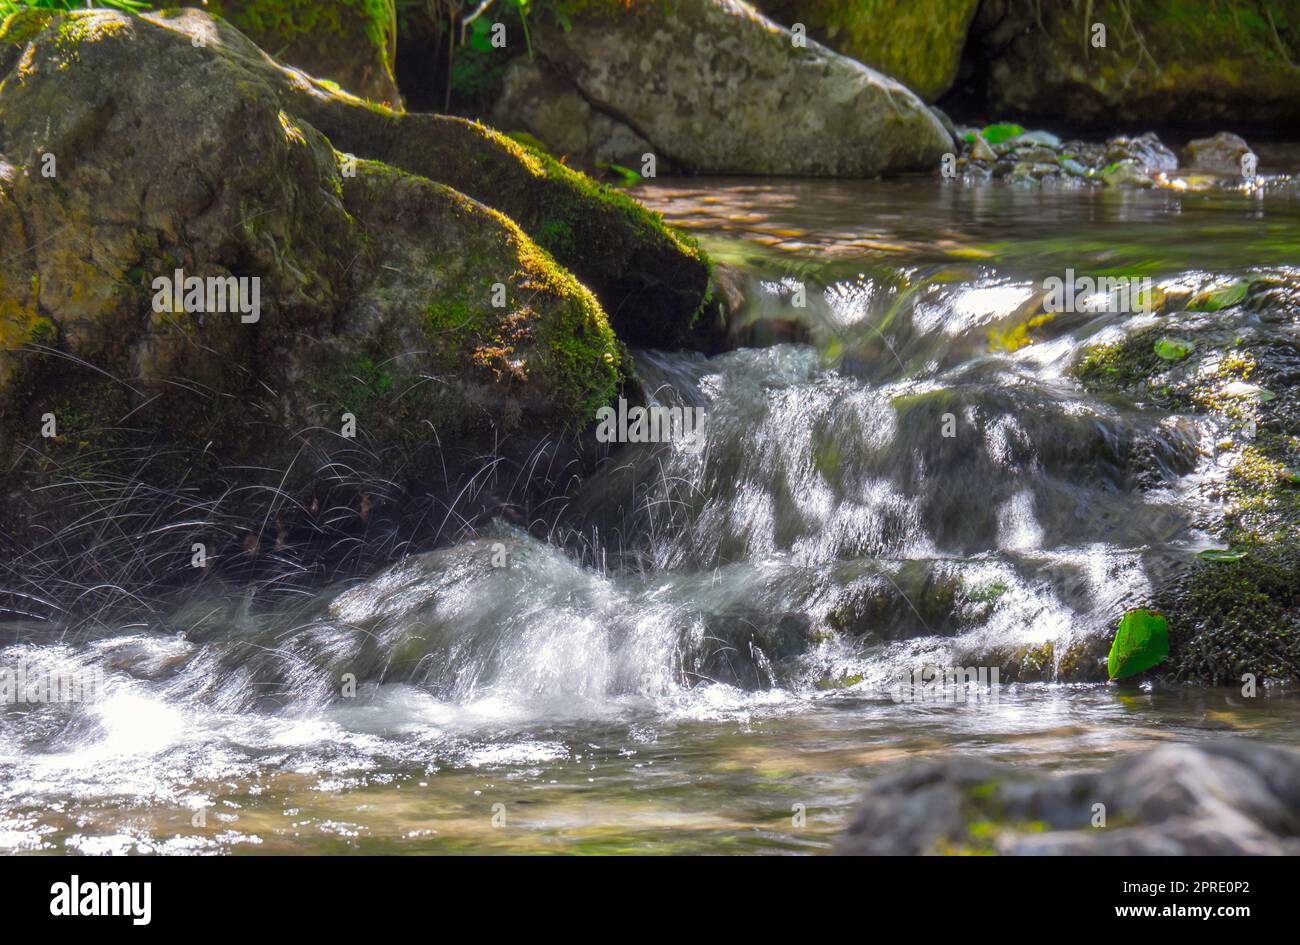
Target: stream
(702, 655)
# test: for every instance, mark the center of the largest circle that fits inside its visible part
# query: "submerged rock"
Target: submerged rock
(718, 88)
(1220, 798)
(917, 42)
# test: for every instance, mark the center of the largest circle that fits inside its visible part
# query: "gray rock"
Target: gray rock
(1037, 155)
(1126, 173)
(1223, 152)
(1146, 151)
(536, 100)
(1218, 798)
(947, 122)
(1045, 138)
(1073, 167)
(718, 88)
(980, 150)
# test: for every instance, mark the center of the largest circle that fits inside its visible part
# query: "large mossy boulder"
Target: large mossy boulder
(654, 284)
(350, 42)
(404, 337)
(1162, 60)
(917, 42)
(718, 88)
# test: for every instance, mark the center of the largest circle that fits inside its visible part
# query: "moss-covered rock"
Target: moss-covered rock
(19, 318)
(1176, 60)
(1077, 660)
(390, 334)
(1234, 613)
(351, 42)
(918, 598)
(653, 282)
(443, 257)
(917, 42)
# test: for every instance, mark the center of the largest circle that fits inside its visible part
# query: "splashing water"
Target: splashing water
(710, 637)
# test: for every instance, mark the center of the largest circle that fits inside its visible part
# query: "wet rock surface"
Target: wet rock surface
(1008, 152)
(1225, 352)
(1215, 799)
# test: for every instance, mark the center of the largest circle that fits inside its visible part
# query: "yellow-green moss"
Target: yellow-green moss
(79, 27)
(23, 26)
(919, 44)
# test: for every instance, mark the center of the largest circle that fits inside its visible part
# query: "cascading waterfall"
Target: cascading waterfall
(911, 482)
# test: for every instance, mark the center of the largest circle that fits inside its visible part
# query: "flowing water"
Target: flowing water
(703, 655)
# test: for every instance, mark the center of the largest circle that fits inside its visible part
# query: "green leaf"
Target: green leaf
(1223, 297)
(627, 176)
(1141, 642)
(1221, 554)
(1174, 349)
(1003, 131)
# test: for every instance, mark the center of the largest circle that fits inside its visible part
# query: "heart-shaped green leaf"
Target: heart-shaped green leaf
(1141, 642)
